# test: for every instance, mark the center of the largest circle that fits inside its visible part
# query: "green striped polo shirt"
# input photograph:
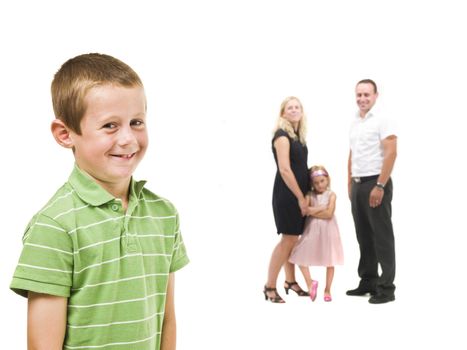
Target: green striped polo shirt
(113, 266)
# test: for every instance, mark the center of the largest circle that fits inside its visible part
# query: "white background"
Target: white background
(215, 74)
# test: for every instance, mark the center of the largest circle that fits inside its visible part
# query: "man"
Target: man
(373, 150)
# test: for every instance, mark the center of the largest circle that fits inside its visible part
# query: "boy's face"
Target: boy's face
(113, 136)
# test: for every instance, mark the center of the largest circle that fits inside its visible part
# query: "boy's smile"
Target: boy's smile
(113, 136)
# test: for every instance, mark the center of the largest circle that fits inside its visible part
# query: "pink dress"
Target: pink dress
(320, 244)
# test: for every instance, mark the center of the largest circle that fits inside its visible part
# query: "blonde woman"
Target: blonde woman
(288, 200)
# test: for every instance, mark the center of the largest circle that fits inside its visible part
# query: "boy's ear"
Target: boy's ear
(61, 133)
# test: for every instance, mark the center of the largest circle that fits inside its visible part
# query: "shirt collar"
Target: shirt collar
(370, 114)
(94, 194)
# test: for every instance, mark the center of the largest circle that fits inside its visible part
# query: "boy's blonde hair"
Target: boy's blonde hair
(285, 125)
(319, 170)
(78, 75)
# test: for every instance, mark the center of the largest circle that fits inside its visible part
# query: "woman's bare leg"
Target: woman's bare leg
(279, 257)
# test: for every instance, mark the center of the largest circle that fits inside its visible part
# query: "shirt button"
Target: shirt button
(114, 207)
(132, 247)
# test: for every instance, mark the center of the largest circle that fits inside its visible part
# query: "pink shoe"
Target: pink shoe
(314, 290)
(327, 298)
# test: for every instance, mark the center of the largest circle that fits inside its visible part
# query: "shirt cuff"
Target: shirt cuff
(22, 286)
(177, 265)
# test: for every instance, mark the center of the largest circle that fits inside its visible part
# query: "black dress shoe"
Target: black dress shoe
(360, 291)
(381, 299)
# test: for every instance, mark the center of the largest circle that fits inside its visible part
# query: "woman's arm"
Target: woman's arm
(169, 326)
(46, 321)
(282, 146)
(324, 212)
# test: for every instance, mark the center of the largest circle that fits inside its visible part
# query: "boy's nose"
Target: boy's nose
(126, 136)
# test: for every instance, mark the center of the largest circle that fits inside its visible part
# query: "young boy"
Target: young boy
(98, 260)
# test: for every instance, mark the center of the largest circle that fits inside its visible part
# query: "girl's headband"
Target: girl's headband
(319, 172)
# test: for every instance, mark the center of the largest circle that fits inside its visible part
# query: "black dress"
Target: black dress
(287, 214)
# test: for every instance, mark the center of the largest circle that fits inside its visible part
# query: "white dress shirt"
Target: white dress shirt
(366, 135)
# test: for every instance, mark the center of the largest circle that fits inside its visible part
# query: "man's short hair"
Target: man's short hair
(369, 81)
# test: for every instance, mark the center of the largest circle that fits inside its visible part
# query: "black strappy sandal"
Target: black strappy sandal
(300, 292)
(276, 299)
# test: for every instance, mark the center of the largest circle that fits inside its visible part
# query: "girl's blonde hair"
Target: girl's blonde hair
(319, 170)
(285, 125)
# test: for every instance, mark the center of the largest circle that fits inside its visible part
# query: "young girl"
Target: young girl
(320, 243)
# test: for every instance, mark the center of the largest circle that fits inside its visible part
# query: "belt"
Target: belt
(360, 179)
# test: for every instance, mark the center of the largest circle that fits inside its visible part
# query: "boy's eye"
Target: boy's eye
(109, 126)
(137, 122)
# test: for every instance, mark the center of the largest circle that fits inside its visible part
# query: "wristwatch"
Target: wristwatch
(380, 185)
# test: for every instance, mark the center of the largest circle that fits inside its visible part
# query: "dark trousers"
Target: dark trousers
(375, 237)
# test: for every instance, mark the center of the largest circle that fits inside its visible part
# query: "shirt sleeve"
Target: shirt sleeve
(387, 128)
(279, 133)
(179, 255)
(46, 261)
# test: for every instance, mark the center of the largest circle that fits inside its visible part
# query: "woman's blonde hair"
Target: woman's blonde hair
(318, 170)
(285, 125)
